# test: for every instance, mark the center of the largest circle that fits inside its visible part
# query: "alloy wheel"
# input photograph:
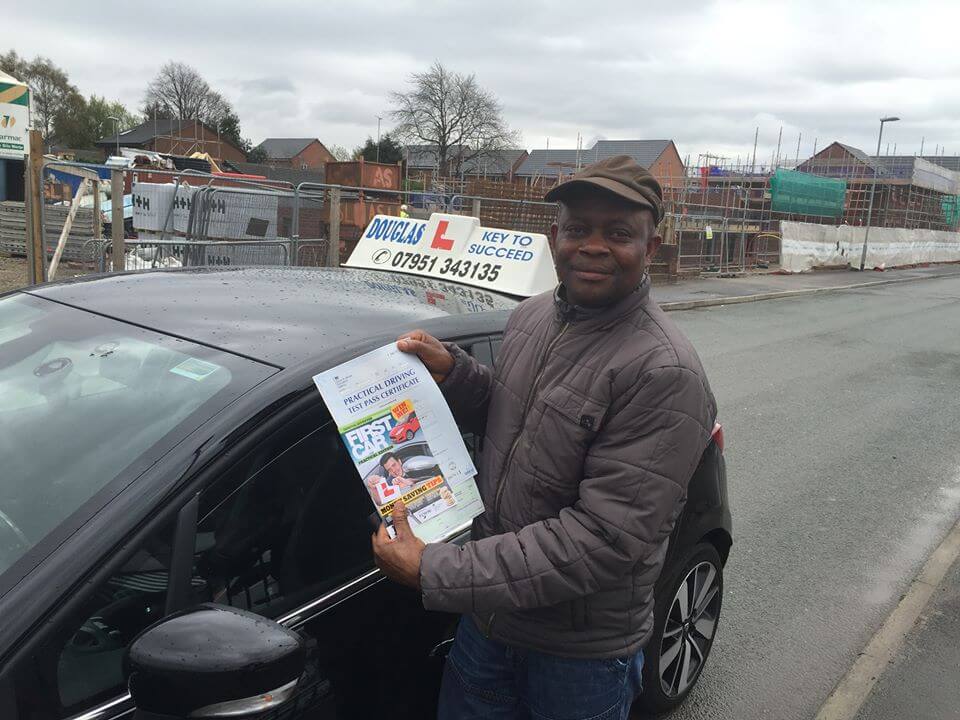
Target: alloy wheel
(690, 627)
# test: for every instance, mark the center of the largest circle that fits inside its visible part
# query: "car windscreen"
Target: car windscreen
(87, 403)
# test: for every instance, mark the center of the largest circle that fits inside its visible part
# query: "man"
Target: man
(394, 470)
(595, 419)
(392, 475)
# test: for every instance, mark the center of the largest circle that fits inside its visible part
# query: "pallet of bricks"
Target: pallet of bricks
(13, 231)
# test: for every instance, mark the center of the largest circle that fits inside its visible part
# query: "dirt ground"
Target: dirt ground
(13, 272)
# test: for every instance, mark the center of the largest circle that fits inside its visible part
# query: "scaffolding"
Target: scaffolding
(721, 214)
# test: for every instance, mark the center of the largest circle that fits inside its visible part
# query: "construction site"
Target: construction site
(721, 218)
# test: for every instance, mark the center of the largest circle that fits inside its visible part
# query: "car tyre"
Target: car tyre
(409, 436)
(687, 611)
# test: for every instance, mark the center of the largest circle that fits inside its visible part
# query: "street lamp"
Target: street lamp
(873, 190)
(379, 118)
(116, 128)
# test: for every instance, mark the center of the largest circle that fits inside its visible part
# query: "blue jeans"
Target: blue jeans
(483, 678)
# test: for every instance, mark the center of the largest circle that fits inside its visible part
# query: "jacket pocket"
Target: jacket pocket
(584, 412)
(567, 423)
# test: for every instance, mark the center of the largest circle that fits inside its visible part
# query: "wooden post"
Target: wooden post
(333, 251)
(118, 251)
(34, 187)
(97, 222)
(67, 225)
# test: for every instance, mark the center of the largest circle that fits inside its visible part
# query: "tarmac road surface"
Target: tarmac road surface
(841, 416)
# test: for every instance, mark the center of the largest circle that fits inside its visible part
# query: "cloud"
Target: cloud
(268, 85)
(703, 72)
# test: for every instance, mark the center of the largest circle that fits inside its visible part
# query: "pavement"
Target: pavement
(923, 678)
(840, 418)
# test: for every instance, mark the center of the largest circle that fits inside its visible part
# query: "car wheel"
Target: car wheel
(409, 436)
(687, 610)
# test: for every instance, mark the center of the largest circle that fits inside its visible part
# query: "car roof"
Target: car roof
(282, 316)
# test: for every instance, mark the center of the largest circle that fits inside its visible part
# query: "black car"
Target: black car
(167, 463)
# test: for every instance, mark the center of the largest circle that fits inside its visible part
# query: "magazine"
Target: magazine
(403, 440)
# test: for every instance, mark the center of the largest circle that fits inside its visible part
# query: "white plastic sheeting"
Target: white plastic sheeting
(805, 246)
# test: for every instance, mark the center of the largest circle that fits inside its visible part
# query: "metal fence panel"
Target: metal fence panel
(144, 254)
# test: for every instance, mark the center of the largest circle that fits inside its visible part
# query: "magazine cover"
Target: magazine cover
(396, 463)
(403, 440)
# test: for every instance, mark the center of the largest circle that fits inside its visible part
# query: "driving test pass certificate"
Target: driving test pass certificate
(403, 440)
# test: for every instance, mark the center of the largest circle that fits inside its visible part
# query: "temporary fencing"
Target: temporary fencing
(152, 254)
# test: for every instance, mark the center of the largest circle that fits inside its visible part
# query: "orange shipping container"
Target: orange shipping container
(364, 174)
(359, 213)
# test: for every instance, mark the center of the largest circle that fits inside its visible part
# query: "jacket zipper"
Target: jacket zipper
(513, 448)
(523, 419)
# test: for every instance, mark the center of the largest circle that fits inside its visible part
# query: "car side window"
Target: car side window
(82, 662)
(273, 536)
(479, 349)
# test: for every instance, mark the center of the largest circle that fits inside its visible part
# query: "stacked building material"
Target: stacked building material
(13, 230)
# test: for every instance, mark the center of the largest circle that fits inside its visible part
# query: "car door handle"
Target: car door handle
(441, 649)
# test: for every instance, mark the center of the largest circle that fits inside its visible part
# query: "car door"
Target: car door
(289, 538)
(376, 645)
(379, 648)
(282, 529)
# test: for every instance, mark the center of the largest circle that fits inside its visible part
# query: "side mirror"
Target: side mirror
(213, 661)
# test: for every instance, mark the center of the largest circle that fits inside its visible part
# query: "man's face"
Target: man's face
(394, 467)
(601, 247)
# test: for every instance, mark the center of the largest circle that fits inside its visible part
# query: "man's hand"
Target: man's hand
(431, 351)
(399, 558)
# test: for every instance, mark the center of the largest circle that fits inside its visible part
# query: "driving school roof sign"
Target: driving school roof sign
(456, 248)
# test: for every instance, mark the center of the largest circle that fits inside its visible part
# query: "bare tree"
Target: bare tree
(452, 112)
(179, 91)
(340, 153)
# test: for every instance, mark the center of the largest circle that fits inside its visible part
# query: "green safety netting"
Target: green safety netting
(951, 209)
(804, 194)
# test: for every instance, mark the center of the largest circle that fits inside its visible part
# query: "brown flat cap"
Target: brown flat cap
(620, 175)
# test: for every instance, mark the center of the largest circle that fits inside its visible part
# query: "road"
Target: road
(841, 415)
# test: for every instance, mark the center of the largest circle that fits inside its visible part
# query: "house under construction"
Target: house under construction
(728, 216)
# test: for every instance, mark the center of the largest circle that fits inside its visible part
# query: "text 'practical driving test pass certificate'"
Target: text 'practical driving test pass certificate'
(403, 440)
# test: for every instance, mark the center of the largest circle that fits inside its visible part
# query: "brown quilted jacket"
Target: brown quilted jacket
(593, 428)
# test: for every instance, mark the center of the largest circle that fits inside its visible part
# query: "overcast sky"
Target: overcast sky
(705, 74)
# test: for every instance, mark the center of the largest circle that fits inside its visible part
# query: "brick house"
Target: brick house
(174, 137)
(296, 153)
